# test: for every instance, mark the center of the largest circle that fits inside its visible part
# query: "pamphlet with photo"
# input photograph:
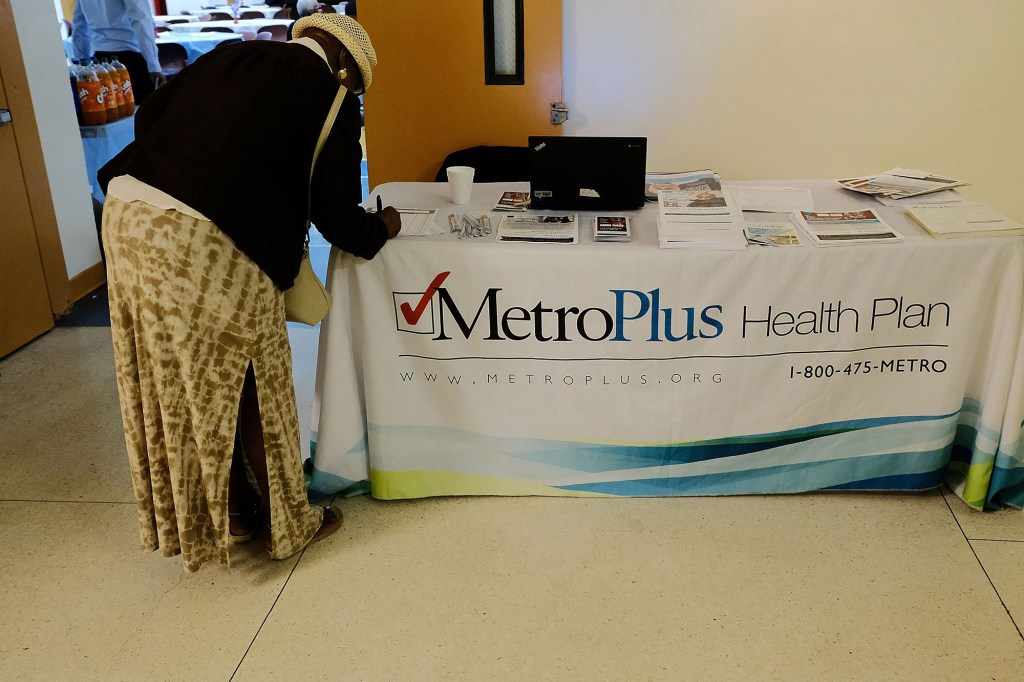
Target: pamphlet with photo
(612, 228)
(513, 201)
(655, 182)
(836, 228)
(772, 234)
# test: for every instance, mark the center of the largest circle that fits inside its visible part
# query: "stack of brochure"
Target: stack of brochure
(612, 228)
(837, 228)
(546, 229)
(699, 214)
(900, 183)
(949, 221)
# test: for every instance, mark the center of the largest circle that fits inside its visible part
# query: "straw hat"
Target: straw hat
(349, 32)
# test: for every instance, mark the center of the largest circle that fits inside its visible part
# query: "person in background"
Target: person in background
(122, 29)
(304, 8)
(198, 256)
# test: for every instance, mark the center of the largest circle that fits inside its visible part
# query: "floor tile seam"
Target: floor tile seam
(993, 540)
(996, 590)
(977, 558)
(265, 618)
(271, 609)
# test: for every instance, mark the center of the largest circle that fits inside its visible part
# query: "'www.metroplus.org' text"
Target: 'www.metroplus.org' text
(563, 379)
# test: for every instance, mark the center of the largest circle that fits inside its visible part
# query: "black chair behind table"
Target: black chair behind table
(251, 14)
(492, 164)
(230, 41)
(216, 29)
(173, 58)
(220, 16)
(175, 21)
(285, 13)
(276, 31)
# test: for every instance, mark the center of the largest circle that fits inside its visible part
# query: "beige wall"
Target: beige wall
(789, 89)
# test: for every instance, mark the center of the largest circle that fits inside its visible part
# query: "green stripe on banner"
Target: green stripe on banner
(976, 482)
(396, 485)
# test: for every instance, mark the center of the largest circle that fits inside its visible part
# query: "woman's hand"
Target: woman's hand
(392, 220)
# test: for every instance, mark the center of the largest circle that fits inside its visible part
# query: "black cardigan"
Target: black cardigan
(233, 135)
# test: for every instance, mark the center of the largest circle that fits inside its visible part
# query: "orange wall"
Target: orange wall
(428, 96)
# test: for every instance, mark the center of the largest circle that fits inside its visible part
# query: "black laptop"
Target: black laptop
(587, 173)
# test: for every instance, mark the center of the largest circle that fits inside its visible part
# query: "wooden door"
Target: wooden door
(24, 302)
(429, 96)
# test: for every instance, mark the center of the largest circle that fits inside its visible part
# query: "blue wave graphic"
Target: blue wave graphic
(920, 471)
(605, 457)
(882, 453)
(321, 483)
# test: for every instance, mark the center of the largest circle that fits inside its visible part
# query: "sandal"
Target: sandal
(331, 522)
(242, 526)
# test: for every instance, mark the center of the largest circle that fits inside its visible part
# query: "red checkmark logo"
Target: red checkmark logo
(413, 315)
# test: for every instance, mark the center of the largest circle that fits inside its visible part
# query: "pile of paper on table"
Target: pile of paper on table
(951, 221)
(900, 183)
(699, 214)
(838, 228)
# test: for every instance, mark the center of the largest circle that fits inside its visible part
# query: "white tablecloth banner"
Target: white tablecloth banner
(470, 367)
(236, 26)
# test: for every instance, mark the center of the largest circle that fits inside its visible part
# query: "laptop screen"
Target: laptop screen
(587, 173)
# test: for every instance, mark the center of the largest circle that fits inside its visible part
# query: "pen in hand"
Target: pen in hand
(392, 220)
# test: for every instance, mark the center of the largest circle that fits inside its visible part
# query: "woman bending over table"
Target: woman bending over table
(199, 248)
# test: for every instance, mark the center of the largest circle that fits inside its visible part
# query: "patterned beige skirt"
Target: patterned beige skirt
(189, 312)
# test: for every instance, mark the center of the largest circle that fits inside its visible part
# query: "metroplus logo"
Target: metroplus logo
(493, 314)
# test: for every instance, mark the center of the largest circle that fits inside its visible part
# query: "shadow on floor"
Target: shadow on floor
(93, 310)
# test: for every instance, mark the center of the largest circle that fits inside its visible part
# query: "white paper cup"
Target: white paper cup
(460, 183)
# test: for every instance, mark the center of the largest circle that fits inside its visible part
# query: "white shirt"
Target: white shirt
(127, 188)
(115, 26)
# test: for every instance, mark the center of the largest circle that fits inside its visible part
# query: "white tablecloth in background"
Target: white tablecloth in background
(267, 11)
(199, 6)
(865, 398)
(198, 44)
(162, 19)
(240, 25)
(195, 44)
(101, 144)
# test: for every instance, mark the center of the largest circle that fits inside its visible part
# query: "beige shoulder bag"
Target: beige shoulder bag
(307, 301)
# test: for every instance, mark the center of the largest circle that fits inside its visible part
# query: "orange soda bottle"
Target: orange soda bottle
(126, 87)
(90, 95)
(109, 100)
(115, 79)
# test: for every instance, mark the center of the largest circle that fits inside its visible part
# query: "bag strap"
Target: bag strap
(324, 132)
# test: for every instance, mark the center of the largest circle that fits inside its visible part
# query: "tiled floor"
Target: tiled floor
(823, 586)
